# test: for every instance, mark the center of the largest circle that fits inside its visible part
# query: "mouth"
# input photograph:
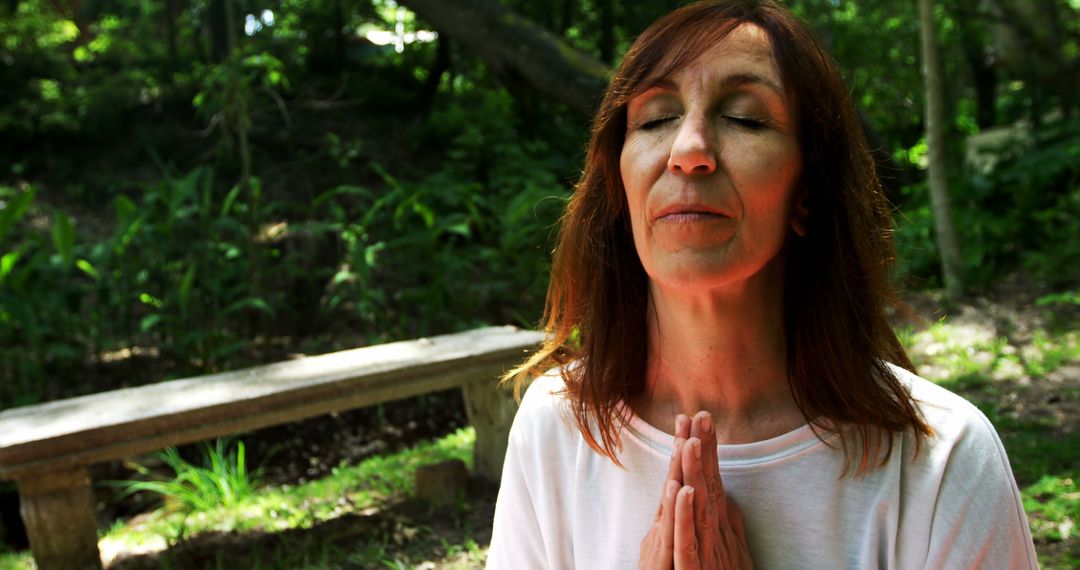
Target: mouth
(689, 213)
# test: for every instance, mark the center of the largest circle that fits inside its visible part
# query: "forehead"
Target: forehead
(739, 54)
(745, 50)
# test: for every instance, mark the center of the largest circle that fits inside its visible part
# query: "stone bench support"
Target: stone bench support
(58, 510)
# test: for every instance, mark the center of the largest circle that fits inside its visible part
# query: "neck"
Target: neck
(722, 351)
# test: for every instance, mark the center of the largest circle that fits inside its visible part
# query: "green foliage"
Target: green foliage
(1027, 209)
(367, 487)
(37, 322)
(222, 482)
(1056, 501)
(1023, 213)
(411, 249)
(1068, 297)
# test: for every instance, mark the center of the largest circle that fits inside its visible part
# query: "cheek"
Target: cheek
(766, 178)
(634, 169)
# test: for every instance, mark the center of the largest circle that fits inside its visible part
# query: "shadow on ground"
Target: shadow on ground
(408, 534)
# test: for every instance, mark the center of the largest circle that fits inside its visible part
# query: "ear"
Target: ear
(800, 212)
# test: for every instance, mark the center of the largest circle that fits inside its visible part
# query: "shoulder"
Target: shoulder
(953, 419)
(959, 482)
(544, 411)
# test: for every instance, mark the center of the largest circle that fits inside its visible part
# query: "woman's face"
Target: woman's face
(709, 165)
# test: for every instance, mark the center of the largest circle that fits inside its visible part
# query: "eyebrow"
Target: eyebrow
(734, 80)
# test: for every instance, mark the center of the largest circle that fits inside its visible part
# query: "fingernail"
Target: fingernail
(689, 492)
(680, 421)
(707, 420)
(672, 488)
(696, 444)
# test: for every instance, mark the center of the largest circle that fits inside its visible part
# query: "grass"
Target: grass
(223, 481)
(349, 492)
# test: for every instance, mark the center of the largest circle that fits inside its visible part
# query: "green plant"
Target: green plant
(1056, 501)
(42, 277)
(1062, 298)
(222, 482)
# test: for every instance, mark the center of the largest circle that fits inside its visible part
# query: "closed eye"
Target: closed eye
(746, 122)
(654, 123)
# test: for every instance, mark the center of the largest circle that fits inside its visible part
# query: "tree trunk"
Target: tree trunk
(170, 15)
(948, 245)
(221, 36)
(438, 68)
(511, 43)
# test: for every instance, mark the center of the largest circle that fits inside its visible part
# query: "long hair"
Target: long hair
(836, 286)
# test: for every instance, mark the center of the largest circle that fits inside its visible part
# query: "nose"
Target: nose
(694, 150)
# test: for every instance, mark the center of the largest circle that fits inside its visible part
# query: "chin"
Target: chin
(690, 277)
(709, 274)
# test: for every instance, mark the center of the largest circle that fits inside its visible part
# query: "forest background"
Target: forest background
(189, 186)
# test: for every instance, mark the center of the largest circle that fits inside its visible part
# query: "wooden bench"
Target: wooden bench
(47, 448)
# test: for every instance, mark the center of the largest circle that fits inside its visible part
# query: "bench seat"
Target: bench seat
(47, 448)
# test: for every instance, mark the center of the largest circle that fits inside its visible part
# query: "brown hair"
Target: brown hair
(836, 281)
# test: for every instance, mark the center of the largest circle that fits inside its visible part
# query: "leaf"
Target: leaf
(7, 263)
(230, 200)
(340, 190)
(124, 238)
(250, 303)
(88, 269)
(149, 322)
(125, 208)
(14, 209)
(1064, 298)
(371, 253)
(425, 213)
(63, 234)
(184, 293)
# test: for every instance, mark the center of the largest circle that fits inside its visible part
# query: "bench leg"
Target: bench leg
(58, 510)
(491, 412)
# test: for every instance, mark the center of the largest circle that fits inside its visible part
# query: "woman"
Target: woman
(728, 391)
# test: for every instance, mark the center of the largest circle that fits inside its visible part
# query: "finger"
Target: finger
(682, 426)
(667, 525)
(707, 434)
(710, 461)
(686, 546)
(677, 467)
(674, 474)
(682, 433)
(657, 550)
(704, 508)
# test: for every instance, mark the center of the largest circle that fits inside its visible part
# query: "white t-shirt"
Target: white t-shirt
(955, 505)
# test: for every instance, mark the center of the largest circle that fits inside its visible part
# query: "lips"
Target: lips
(689, 212)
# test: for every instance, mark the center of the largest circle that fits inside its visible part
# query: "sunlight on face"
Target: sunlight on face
(709, 164)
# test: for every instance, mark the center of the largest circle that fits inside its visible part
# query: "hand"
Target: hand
(657, 548)
(696, 526)
(709, 530)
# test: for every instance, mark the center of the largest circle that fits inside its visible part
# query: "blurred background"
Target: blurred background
(191, 186)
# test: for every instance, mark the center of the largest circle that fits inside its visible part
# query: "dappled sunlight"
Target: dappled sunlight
(362, 513)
